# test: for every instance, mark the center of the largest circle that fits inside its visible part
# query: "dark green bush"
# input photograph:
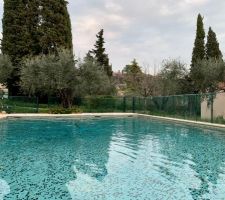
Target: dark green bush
(64, 111)
(76, 110)
(60, 111)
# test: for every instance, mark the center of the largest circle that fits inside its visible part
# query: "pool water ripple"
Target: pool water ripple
(109, 159)
(4, 189)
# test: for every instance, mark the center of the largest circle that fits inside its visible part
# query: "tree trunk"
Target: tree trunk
(66, 98)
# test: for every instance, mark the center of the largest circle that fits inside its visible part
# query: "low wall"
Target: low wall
(218, 107)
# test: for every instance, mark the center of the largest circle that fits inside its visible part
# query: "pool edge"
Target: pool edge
(184, 121)
(68, 115)
(3, 116)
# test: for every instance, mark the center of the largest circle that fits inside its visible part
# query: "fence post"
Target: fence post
(133, 104)
(48, 102)
(174, 106)
(212, 101)
(145, 105)
(89, 104)
(196, 107)
(124, 104)
(37, 100)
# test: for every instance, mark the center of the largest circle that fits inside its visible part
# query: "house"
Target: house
(218, 109)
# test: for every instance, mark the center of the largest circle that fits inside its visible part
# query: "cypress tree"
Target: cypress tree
(199, 45)
(32, 27)
(133, 68)
(89, 57)
(198, 53)
(133, 75)
(212, 46)
(55, 26)
(100, 55)
(15, 40)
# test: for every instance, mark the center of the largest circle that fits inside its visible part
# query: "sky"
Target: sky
(148, 30)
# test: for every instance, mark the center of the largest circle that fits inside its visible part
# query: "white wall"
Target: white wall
(218, 107)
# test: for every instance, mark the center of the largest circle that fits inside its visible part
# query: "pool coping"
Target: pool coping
(2, 116)
(185, 121)
(204, 124)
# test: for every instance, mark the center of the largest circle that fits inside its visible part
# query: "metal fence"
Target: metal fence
(204, 107)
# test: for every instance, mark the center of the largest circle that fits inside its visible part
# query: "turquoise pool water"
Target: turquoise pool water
(109, 159)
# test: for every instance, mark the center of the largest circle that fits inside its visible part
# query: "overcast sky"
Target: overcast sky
(148, 30)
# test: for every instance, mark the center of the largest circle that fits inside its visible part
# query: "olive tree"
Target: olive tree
(212, 70)
(93, 79)
(51, 74)
(6, 69)
(172, 75)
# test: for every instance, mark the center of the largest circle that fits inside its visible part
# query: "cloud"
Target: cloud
(112, 6)
(149, 30)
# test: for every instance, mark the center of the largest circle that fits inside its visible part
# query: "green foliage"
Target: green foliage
(55, 26)
(186, 85)
(132, 75)
(51, 74)
(93, 79)
(198, 52)
(32, 28)
(173, 73)
(199, 45)
(133, 68)
(6, 69)
(60, 111)
(15, 38)
(100, 55)
(212, 46)
(212, 70)
(65, 111)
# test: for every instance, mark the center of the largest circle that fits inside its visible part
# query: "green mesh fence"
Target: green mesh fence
(197, 107)
(185, 106)
(19, 104)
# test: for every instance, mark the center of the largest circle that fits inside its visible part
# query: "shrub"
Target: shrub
(64, 111)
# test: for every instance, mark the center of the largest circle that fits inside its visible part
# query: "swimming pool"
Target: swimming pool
(109, 159)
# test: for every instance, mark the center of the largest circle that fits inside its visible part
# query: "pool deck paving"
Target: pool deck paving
(2, 116)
